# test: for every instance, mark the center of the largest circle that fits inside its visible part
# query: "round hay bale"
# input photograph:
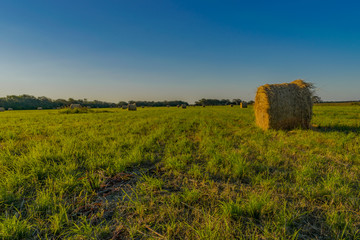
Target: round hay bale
(10, 109)
(2, 109)
(284, 106)
(183, 106)
(243, 105)
(39, 108)
(132, 107)
(203, 105)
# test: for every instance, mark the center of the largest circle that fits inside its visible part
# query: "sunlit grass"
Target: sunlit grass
(195, 173)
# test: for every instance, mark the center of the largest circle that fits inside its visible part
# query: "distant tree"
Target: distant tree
(236, 101)
(316, 99)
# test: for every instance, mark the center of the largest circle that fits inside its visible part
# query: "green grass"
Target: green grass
(170, 173)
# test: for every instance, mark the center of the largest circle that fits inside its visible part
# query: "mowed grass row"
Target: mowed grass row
(169, 173)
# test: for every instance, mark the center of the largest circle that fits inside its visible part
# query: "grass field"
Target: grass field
(169, 173)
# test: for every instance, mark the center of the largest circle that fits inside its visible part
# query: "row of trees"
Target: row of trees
(25, 101)
(216, 102)
(156, 104)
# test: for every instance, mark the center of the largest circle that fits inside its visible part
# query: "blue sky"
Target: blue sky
(167, 50)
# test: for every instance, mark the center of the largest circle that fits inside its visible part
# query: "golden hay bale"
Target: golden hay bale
(75, 105)
(132, 107)
(183, 106)
(2, 109)
(284, 106)
(243, 105)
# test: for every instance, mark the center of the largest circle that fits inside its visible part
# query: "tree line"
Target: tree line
(27, 102)
(217, 102)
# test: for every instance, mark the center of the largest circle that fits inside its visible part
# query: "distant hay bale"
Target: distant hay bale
(39, 108)
(178, 106)
(2, 109)
(231, 105)
(168, 106)
(243, 105)
(132, 107)
(10, 109)
(142, 106)
(183, 106)
(203, 105)
(124, 107)
(75, 105)
(284, 106)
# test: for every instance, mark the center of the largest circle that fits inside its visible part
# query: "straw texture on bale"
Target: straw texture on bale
(73, 106)
(243, 105)
(131, 107)
(284, 106)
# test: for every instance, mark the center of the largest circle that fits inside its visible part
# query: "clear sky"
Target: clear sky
(186, 49)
